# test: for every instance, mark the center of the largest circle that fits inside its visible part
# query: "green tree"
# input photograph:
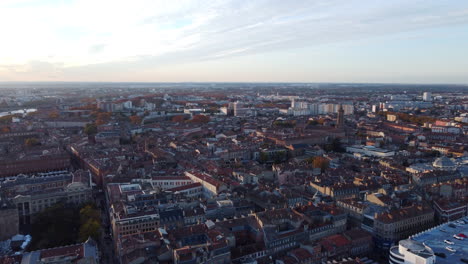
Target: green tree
(335, 146)
(88, 212)
(90, 129)
(89, 229)
(263, 157)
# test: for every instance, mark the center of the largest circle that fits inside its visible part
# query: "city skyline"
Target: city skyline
(232, 41)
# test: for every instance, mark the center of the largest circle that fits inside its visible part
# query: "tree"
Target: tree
(6, 119)
(200, 119)
(88, 212)
(65, 224)
(136, 120)
(335, 146)
(312, 123)
(320, 162)
(103, 118)
(263, 157)
(30, 142)
(89, 219)
(90, 129)
(178, 119)
(60, 220)
(89, 229)
(54, 115)
(5, 129)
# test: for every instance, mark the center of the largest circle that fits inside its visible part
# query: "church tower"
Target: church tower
(340, 120)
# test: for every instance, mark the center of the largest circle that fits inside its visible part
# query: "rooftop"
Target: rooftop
(434, 238)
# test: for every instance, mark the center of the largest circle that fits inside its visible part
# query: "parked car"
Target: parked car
(451, 249)
(448, 242)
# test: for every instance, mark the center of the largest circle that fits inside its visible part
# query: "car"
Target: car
(457, 237)
(451, 249)
(448, 242)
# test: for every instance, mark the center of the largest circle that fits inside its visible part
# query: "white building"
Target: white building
(211, 186)
(128, 105)
(370, 151)
(411, 252)
(427, 96)
(168, 182)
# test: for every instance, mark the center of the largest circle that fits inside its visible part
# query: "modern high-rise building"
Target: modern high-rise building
(427, 96)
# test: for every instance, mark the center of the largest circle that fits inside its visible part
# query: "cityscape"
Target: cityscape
(234, 173)
(228, 131)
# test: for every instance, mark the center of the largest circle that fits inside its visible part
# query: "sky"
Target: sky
(398, 41)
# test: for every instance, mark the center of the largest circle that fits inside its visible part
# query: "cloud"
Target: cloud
(71, 35)
(97, 48)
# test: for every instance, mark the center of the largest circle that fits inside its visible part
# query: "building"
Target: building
(427, 96)
(32, 163)
(211, 186)
(338, 191)
(240, 110)
(194, 190)
(396, 224)
(32, 195)
(391, 118)
(370, 151)
(108, 138)
(84, 253)
(340, 119)
(168, 182)
(450, 209)
(106, 106)
(411, 252)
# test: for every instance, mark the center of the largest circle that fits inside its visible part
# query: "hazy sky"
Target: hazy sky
(407, 41)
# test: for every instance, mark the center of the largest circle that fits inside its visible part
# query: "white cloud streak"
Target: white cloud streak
(73, 35)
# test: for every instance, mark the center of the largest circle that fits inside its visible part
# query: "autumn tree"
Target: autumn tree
(54, 114)
(29, 142)
(103, 118)
(136, 120)
(178, 119)
(320, 162)
(5, 129)
(200, 119)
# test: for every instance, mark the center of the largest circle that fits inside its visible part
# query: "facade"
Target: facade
(211, 186)
(338, 191)
(390, 227)
(171, 182)
(450, 209)
(32, 195)
(35, 163)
